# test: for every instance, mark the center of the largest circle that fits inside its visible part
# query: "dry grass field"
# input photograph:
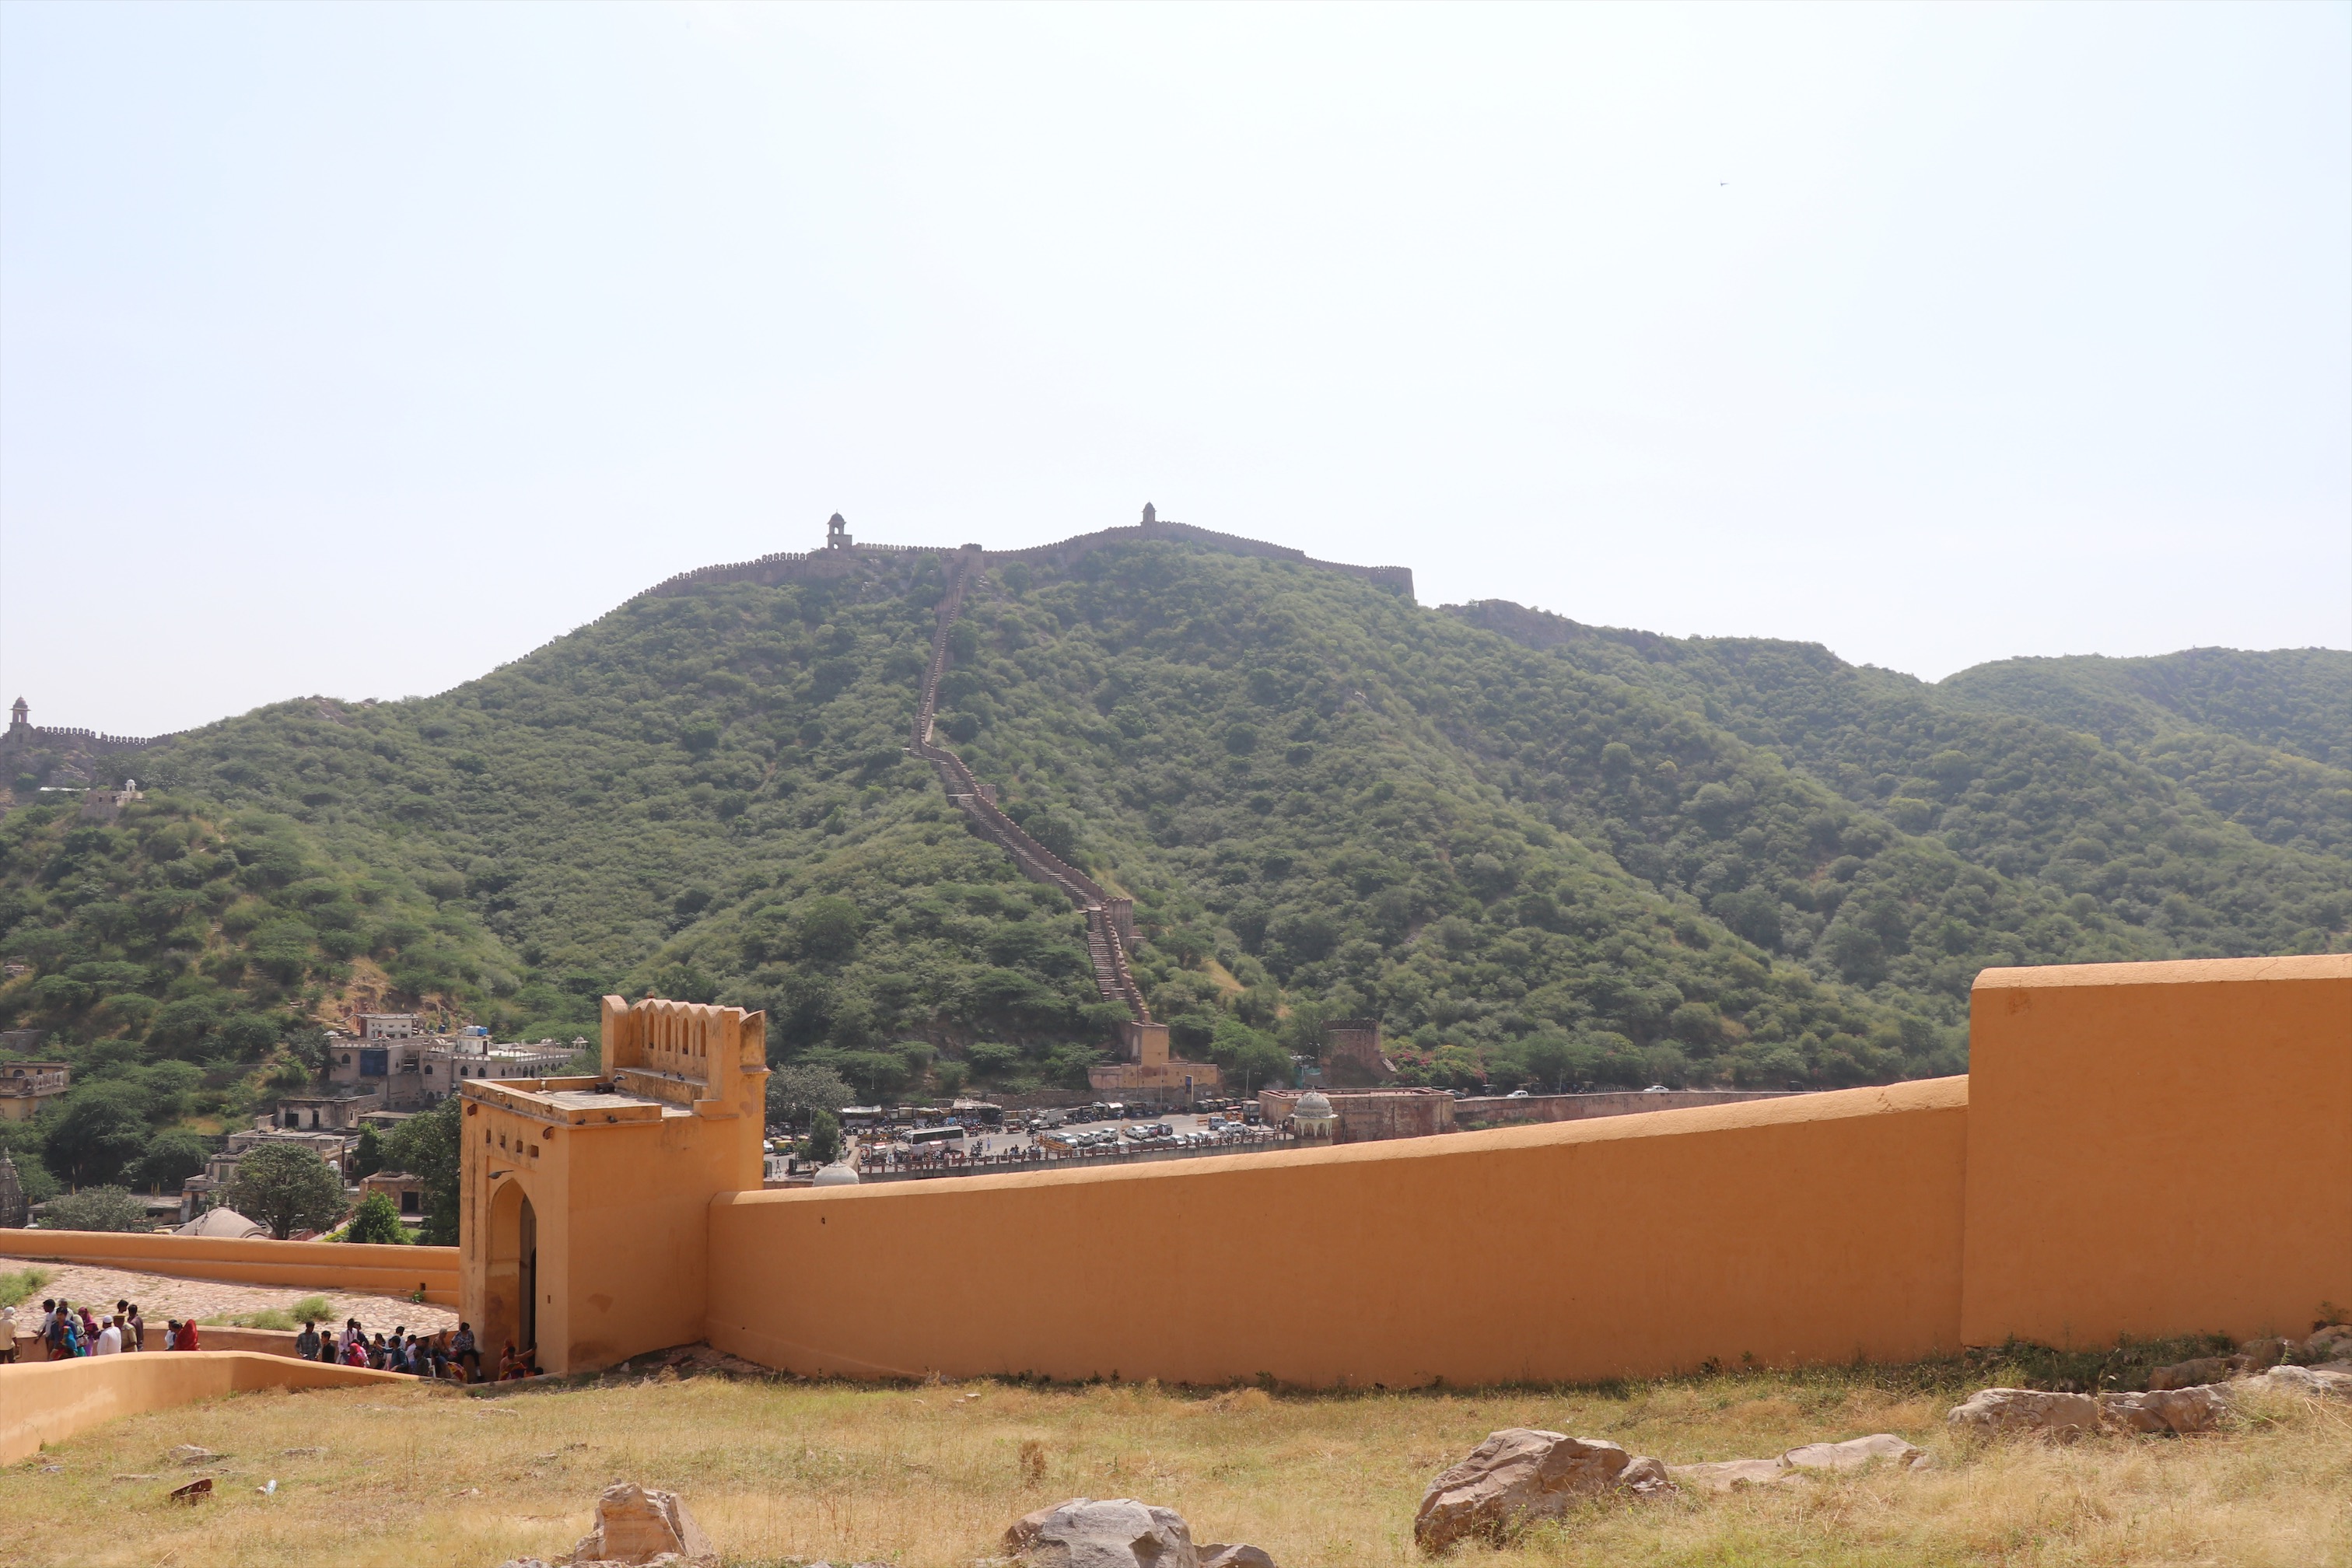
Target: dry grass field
(928, 1476)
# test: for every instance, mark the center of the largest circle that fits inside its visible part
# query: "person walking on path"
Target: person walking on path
(306, 1344)
(109, 1338)
(135, 1331)
(7, 1335)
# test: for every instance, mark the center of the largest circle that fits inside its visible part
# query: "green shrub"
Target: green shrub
(377, 1220)
(95, 1208)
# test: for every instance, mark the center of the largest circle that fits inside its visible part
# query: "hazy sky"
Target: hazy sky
(355, 349)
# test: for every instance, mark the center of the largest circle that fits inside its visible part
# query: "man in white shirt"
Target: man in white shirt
(109, 1338)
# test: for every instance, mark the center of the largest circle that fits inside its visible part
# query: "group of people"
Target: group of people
(65, 1330)
(451, 1356)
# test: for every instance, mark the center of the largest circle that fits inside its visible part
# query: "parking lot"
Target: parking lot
(1082, 1136)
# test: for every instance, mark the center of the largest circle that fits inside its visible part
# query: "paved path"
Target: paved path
(161, 1298)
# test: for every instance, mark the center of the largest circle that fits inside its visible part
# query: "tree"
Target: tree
(825, 1138)
(102, 1128)
(367, 1158)
(1249, 1059)
(376, 1220)
(95, 1208)
(798, 1089)
(427, 1147)
(172, 1157)
(287, 1187)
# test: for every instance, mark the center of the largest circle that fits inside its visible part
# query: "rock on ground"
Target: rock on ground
(637, 1525)
(2197, 1373)
(1242, 1555)
(1998, 1411)
(1117, 1533)
(2177, 1410)
(1723, 1475)
(1855, 1452)
(2311, 1380)
(1520, 1474)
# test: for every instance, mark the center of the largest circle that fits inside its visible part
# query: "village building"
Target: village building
(405, 1191)
(1362, 1116)
(25, 1087)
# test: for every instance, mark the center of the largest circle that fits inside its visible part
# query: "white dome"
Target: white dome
(1314, 1105)
(836, 1177)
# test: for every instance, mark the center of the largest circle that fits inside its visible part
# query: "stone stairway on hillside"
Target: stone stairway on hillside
(1109, 918)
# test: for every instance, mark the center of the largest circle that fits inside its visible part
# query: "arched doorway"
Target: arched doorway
(511, 1299)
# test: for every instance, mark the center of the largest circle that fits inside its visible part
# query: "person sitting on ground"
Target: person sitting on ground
(466, 1352)
(306, 1344)
(510, 1367)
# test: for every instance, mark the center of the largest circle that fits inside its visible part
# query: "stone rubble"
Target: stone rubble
(1521, 1475)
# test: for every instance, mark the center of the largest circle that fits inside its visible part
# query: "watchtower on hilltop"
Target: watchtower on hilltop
(836, 533)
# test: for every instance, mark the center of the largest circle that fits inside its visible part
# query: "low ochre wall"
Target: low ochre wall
(1814, 1228)
(323, 1266)
(214, 1337)
(48, 1401)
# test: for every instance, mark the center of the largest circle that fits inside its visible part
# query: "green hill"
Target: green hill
(1538, 851)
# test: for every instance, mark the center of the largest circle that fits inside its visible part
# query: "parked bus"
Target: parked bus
(951, 1138)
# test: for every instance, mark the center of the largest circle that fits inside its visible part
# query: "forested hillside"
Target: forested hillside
(1538, 851)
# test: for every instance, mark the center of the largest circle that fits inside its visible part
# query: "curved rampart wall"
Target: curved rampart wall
(48, 1401)
(374, 1269)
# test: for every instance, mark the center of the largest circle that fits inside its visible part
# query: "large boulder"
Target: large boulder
(1520, 1474)
(635, 1524)
(1117, 1533)
(1999, 1412)
(2176, 1411)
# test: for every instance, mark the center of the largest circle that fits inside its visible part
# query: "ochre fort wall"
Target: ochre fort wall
(1794, 1230)
(2158, 1146)
(2142, 1149)
(395, 1270)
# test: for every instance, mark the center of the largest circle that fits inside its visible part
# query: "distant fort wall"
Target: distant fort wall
(839, 560)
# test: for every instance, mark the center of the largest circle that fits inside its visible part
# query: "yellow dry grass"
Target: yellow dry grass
(928, 1478)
